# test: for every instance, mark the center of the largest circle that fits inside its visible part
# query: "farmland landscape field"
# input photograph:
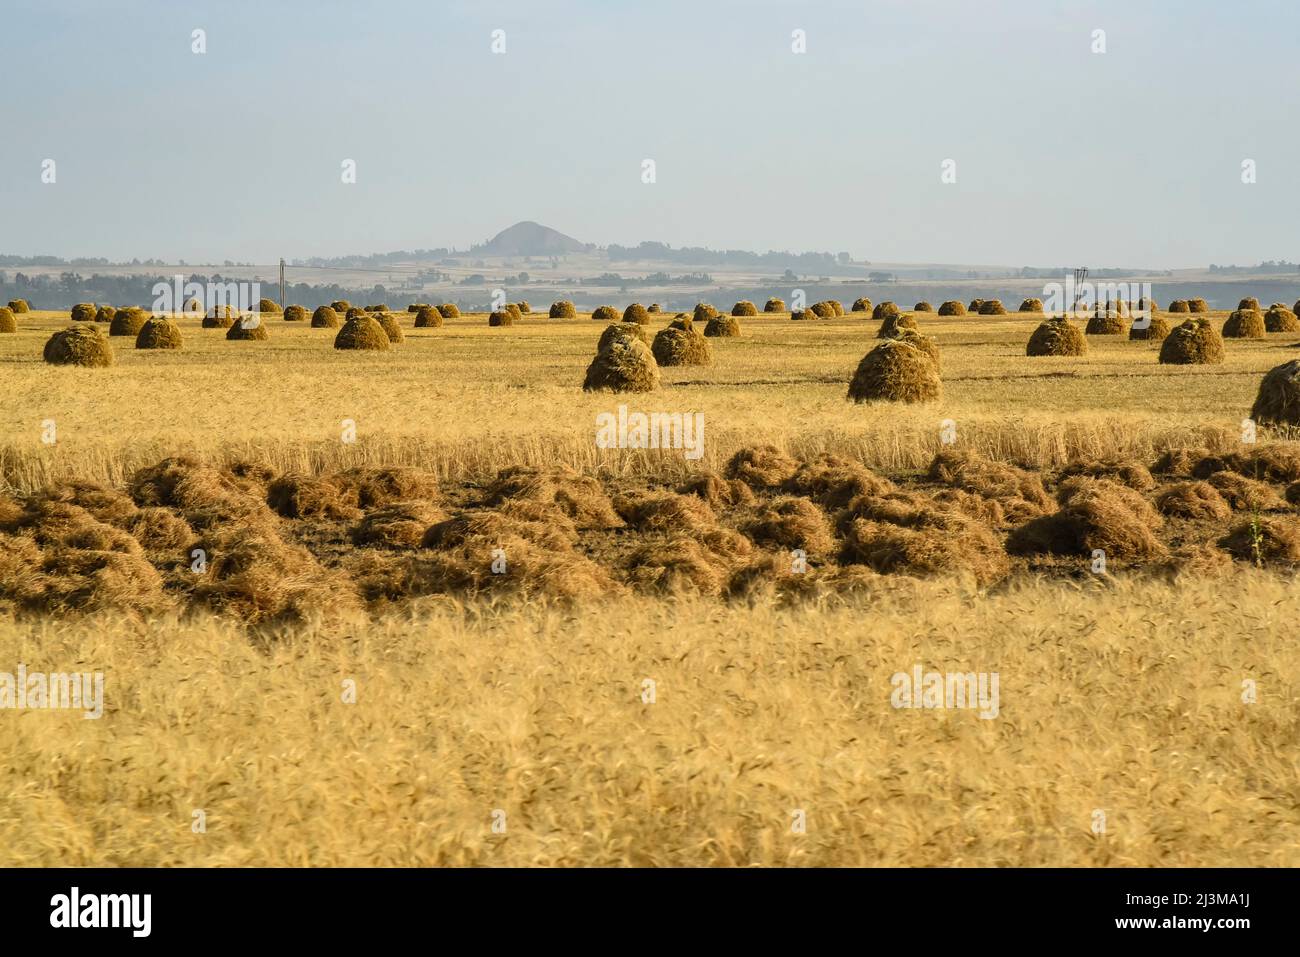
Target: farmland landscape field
(447, 443)
(351, 506)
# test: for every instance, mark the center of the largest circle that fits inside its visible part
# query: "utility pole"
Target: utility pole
(282, 284)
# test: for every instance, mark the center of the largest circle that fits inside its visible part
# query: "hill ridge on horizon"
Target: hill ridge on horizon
(530, 238)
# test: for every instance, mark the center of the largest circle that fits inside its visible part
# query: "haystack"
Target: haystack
(17, 306)
(837, 307)
(833, 481)
(268, 307)
(159, 333)
(1195, 342)
(1125, 471)
(720, 492)
(295, 495)
(896, 371)
(952, 308)
(127, 322)
(636, 313)
(392, 328)
(681, 347)
(992, 307)
(823, 310)
(503, 317)
(1106, 323)
(683, 322)
(83, 312)
(1280, 319)
(1057, 337)
(428, 317)
(105, 314)
(1156, 329)
(1265, 541)
(524, 307)
(665, 512)
(563, 309)
(449, 310)
(1197, 305)
(723, 326)
(761, 466)
(1195, 500)
(1278, 401)
(294, 313)
(805, 313)
(79, 345)
(624, 364)
(356, 311)
(514, 310)
(615, 330)
(744, 308)
(249, 329)
(1148, 305)
(1179, 305)
(861, 304)
(925, 343)
(219, 317)
(7, 321)
(1250, 302)
(923, 306)
(1031, 305)
(398, 525)
(774, 305)
(790, 522)
(377, 307)
(1247, 494)
(362, 332)
(893, 323)
(884, 311)
(1244, 323)
(654, 307)
(324, 318)
(975, 305)
(605, 314)
(703, 312)
(341, 306)
(924, 539)
(1095, 514)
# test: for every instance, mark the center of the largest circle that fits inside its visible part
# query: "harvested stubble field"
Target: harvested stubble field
(469, 399)
(524, 693)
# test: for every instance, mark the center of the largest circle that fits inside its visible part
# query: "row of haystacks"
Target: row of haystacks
(1193, 342)
(238, 540)
(904, 367)
(830, 308)
(628, 357)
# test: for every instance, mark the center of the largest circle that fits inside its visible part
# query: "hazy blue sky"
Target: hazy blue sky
(1130, 157)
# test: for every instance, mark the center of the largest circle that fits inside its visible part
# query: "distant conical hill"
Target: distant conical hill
(530, 239)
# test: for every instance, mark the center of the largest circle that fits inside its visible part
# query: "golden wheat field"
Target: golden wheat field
(349, 681)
